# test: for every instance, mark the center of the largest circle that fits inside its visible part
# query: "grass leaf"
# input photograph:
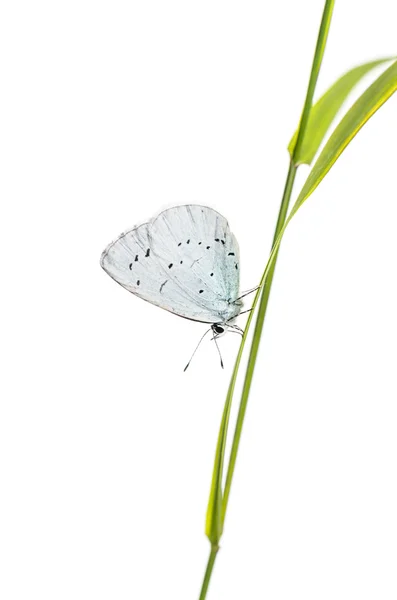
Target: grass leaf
(214, 522)
(356, 117)
(314, 73)
(262, 294)
(325, 110)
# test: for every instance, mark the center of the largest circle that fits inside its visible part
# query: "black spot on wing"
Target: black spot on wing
(231, 254)
(170, 265)
(147, 252)
(130, 266)
(138, 282)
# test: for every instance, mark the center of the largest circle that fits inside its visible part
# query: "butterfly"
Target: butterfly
(186, 261)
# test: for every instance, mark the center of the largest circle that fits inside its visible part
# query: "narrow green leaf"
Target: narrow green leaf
(361, 111)
(316, 66)
(214, 524)
(266, 281)
(356, 117)
(325, 109)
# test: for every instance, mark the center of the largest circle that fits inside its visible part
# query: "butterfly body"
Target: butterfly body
(185, 260)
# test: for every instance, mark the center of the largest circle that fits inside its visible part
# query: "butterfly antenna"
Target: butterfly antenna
(196, 348)
(219, 352)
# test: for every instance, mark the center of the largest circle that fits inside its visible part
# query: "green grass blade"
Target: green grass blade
(325, 110)
(215, 512)
(216, 504)
(356, 117)
(263, 293)
(266, 281)
(317, 60)
(213, 523)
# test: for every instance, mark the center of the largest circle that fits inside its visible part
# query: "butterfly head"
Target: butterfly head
(218, 329)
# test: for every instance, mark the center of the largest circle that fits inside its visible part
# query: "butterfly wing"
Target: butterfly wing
(155, 263)
(201, 254)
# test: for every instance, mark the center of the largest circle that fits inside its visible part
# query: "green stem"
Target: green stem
(263, 293)
(208, 571)
(267, 277)
(256, 339)
(317, 60)
(268, 274)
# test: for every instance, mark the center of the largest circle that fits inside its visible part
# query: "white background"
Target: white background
(110, 112)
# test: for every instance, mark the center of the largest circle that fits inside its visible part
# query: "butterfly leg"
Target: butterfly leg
(236, 329)
(248, 292)
(245, 311)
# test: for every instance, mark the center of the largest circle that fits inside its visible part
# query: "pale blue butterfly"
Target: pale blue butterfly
(185, 260)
